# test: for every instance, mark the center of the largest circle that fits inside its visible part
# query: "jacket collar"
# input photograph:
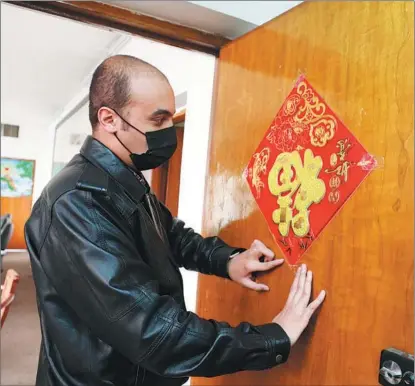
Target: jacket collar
(102, 157)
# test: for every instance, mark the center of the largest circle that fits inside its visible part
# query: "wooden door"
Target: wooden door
(359, 56)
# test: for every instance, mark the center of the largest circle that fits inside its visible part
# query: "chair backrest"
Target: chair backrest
(5, 217)
(7, 228)
(3, 220)
(8, 292)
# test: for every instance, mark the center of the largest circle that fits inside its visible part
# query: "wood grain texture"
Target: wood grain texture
(179, 117)
(20, 209)
(360, 57)
(93, 12)
(159, 182)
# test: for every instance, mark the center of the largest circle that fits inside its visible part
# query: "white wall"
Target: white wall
(77, 124)
(35, 142)
(195, 155)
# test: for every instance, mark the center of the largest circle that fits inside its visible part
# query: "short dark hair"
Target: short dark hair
(110, 84)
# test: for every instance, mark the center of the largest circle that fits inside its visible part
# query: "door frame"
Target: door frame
(109, 16)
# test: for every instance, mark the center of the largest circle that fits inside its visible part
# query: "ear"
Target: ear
(108, 120)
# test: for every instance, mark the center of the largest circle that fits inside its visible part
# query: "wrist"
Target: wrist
(279, 341)
(219, 260)
(233, 255)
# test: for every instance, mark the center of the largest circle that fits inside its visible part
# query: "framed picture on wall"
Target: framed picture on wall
(17, 176)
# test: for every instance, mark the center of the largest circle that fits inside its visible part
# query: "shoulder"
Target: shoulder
(85, 190)
(78, 176)
(93, 179)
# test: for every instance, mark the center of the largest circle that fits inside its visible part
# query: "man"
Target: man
(106, 255)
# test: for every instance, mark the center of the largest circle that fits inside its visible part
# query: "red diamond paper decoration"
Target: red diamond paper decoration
(304, 170)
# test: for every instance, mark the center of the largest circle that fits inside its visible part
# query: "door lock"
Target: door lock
(396, 368)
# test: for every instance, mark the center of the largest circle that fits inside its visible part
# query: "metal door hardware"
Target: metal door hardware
(396, 368)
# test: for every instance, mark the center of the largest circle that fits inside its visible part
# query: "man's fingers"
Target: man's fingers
(259, 249)
(255, 266)
(254, 286)
(305, 298)
(312, 307)
(267, 258)
(294, 286)
(301, 283)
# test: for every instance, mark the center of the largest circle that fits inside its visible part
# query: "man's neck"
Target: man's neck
(109, 141)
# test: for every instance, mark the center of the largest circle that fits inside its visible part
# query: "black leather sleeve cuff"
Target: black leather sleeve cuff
(220, 258)
(278, 341)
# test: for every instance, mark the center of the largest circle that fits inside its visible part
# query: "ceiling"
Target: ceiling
(226, 18)
(46, 73)
(44, 67)
(188, 14)
(254, 12)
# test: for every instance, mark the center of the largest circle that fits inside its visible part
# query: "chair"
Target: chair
(6, 231)
(8, 290)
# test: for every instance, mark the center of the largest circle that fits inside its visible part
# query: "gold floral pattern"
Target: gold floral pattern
(307, 116)
(322, 131)
(286, 136)
(259, 167)
(291, 105)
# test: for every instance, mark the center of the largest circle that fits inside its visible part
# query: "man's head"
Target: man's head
(126, 89)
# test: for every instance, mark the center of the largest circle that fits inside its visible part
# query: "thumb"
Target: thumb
(248, 283)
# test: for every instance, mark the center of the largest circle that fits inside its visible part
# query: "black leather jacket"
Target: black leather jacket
(105, 256)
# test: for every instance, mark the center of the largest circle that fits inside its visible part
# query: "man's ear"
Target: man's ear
(107, 119)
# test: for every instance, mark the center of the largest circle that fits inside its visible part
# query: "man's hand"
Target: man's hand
(297, 312)
(243, 267)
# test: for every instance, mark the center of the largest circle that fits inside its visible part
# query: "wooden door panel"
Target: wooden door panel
(359, 58)
(20, 209)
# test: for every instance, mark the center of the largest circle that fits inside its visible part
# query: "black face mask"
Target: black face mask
(161, 146)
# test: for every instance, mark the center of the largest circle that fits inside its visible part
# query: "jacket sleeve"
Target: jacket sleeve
(94, 266)
(209, 255)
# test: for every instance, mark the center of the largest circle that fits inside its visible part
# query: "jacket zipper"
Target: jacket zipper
(148, 198)
(141, 179)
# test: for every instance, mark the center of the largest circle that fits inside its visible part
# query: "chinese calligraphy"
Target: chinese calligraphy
(341, 170)
(334, 197)
(288, 176)
(343, 148)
